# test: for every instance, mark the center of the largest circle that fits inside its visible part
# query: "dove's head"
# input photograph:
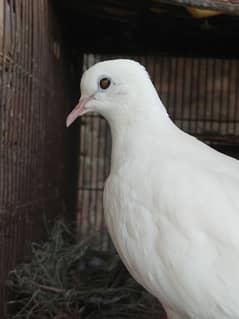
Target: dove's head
(117, 89)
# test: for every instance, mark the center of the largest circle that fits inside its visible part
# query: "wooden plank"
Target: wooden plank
(226, 6)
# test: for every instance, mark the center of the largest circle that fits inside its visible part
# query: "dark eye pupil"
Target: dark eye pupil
(104, 83)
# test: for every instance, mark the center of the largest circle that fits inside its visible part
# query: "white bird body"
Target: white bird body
(171, 205)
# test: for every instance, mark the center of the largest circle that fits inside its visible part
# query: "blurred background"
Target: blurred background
(188, 47)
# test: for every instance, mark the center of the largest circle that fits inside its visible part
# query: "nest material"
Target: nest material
(68, 279)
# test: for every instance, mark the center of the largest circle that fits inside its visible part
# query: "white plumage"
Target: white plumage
(171, 202)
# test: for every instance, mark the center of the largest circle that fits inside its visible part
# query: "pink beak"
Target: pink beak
(78, 110)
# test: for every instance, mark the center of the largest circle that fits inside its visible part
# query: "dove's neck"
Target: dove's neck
(137, 136)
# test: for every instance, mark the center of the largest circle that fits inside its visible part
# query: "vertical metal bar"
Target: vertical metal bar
(180, 77)
(184, 88)
(92, 145)
(205, 95)
(214, 66)
(176, 111)
(198, 79)
(28, 98)
(22, 129)
(210, 95)
(214, 98)
(154, 65)
(221, 95)
(98, 180)
(11, 108)
(170, 86)
(106, 146)
(191, 90)
(235, 109)
(6, 173)
(16, 104)
(228, 97)
(42, 111)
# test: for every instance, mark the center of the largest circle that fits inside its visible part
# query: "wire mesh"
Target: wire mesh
(33, 102)
(201, 95)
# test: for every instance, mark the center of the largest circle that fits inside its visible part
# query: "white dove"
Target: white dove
(171, 202)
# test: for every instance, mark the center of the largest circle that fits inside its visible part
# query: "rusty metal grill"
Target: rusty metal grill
(201, 95)
(34, 99)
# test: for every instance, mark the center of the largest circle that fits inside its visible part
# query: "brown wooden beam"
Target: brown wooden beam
(226, 6)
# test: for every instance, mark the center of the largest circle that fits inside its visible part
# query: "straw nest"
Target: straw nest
(67, 278)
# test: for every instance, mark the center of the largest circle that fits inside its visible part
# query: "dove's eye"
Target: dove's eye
(104, 83)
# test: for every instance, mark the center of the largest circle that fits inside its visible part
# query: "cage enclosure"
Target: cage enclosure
(46, 170)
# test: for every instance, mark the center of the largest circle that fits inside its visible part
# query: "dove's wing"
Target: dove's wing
(197, 204)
